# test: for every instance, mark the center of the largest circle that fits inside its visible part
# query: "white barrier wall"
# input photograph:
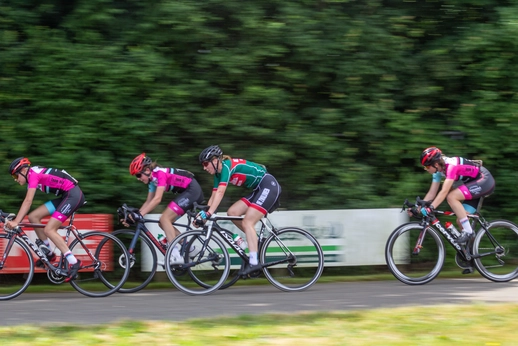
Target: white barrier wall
(349, 237)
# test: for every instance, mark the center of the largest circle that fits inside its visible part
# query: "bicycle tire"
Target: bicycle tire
(107, 271)
(211, 265)
(501, 267)
(233, 275)
(144, 248)
(295, 272)
(14, 279)
(409, 268)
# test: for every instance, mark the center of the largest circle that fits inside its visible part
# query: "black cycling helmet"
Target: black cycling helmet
(18, 164)
(209, 153)
(430, 155)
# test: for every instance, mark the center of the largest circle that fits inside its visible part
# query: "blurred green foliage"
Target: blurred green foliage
(336, 97)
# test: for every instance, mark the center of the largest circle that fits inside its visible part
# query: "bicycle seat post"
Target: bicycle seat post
(71, 219)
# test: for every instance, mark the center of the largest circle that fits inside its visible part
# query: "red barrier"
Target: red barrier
(83, 222)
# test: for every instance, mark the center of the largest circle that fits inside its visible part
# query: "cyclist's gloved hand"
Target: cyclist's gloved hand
(412, 212)
(134, 216)
(204, 215)
(201, 218)
(427, 211)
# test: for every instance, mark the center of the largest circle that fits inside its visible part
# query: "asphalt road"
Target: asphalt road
(175, 306)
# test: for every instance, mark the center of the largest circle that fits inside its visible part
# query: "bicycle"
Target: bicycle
(415, 251)
(140, 242)
(286, 256)
(99, 275)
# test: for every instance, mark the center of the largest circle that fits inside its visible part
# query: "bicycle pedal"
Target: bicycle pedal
(467, 271)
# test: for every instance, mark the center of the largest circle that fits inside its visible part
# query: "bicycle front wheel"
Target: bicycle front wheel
(498, 251)
(414, 268)
(210, 266)
(139, 276)
(17, 271)
(293, 259)
(105, 264)
(233, 275)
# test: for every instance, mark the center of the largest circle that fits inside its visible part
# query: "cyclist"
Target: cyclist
(262, 200)
(71, 198)
(475, 182)
(160, 180)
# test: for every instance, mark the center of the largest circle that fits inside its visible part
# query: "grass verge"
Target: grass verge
(475, 324)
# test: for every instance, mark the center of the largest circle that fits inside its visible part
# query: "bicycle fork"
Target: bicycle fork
(419, 243)
(7, 249)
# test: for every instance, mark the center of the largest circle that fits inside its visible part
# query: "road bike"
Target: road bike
(104, 260)
(142, 246)
(415, 252)
(291, 258)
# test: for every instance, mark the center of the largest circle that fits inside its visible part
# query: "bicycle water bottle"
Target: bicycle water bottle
(452, 229)
(163, 240)
(240, 241)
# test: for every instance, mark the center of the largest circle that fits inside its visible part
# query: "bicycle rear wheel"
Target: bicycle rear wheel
(299, 258)
(17, 271)
(139, 277)
(105, 269)
(210, 266)
(498, 249)
(410, 268)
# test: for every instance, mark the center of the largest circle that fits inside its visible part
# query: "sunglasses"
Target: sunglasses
(205, 163)
(140, 174)
(15, 176)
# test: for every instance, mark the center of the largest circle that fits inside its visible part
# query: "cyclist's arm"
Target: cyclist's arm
(24, 209)
(153, 200)
(432, 192)
(441, 196)
(215, 199)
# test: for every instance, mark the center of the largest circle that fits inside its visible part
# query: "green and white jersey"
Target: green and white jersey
(239, 172)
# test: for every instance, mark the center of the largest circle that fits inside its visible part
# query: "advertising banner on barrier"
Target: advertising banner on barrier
(349, 237)
(83, 222)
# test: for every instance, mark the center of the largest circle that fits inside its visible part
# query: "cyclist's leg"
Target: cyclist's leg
(51, 231)
(475, 189)
(71, 201)
(265, 197)
(39, 213)
(41, 239)
(167, 218)
(183, 202)
(455, 199)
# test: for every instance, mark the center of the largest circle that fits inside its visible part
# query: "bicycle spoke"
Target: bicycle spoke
(294, 260)
(103, 274)
(18, 269)
(499, 253)
(144, 251)
(207, 270)
(409, 267)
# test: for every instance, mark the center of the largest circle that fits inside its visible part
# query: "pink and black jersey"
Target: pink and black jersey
(173, 179)
(458, 169)
(50, 180)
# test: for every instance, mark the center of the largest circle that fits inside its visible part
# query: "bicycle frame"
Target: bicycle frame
(60, 270)
(226, 236)
(141, 228)
(463, 250)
